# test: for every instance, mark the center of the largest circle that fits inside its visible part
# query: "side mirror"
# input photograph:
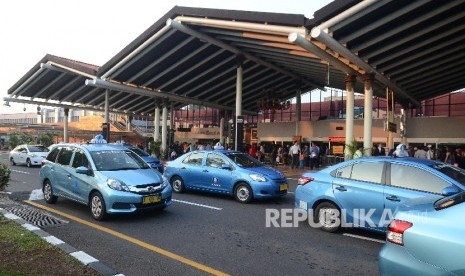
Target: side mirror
(225, 166)
(83, 170)
(451, 190)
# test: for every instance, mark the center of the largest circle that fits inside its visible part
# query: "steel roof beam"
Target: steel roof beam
(382, 21)
(160, 59)
(438, 41)
(69, 84)
(322, 36)
(398, 42)
(30, 81)
(189, 70)
(70, 106)
(41, 91)
(178, 63)
(177, 25)
(155, 94)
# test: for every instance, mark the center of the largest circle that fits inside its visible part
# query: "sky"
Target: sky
(94, 31)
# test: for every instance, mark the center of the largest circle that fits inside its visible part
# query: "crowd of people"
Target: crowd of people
(309, 155)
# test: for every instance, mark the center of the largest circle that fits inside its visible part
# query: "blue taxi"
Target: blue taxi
(109, 179)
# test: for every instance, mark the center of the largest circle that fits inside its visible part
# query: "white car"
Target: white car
(29, 155)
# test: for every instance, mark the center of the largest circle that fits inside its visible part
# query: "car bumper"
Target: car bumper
(125, 202)
(36, 161)
(396, 260)
(269, 190)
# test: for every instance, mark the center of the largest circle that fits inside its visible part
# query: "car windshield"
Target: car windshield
(243, 160)
(116, 160)
(451, 171)
(139, 151)
(37, 149)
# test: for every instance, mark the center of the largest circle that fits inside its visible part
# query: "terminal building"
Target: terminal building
(368, 71)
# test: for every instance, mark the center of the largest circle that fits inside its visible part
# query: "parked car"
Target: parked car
(365, 192)
(29, 155)
(110, 179)
(151, 160)
(225, 172)
(426, 239)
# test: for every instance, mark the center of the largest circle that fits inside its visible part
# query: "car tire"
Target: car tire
(177, 184)
(243, 193)
(48, 192)
(97, 206)
(331, 215)
(28, 163)
(12, 161)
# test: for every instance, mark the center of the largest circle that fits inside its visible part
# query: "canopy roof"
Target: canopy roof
(190, 56)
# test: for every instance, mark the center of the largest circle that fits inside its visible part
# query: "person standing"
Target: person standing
(430, 153)
(314, 156)
(421, 153)
(294, 152)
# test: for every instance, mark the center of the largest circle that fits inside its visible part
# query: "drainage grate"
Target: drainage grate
(34, 216)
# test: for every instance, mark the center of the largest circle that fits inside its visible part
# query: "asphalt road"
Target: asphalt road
(203, 233)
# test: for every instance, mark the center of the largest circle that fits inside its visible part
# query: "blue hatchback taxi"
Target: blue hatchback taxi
(225, 172)
(365, 192)
(108, 178)
(426, 238)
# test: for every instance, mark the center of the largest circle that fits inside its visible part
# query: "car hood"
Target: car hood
(268, 172)
(134, 177)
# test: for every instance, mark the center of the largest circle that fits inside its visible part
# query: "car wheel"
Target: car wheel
(177, 184)
(28, 163)
(12, 161)
(243, 193)
(97, 206)
(328, 217)
(48, 192)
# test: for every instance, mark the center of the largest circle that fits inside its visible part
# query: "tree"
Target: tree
(46, 139)
(15, 139)
(4, 176)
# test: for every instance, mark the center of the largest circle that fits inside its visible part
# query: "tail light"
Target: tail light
(303, 180)
(396, 229)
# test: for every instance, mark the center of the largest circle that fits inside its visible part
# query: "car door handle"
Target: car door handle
(393, 198)
(341, 188)
(205, 171)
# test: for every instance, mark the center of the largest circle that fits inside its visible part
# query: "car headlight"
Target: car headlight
(33, 155)
(258, 177)
(117, 185)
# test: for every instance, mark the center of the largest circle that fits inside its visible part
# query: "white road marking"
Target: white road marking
(363, 238)
(53, 240)
(84, 257)
(197, 204)
(20, 171)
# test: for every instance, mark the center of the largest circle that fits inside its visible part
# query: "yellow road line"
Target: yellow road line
(140, 243)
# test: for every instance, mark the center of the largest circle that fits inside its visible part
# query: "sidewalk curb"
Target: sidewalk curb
(81, 256)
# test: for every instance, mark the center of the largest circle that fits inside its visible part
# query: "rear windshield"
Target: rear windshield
(117, 160)
(243, 160)
(37, 149)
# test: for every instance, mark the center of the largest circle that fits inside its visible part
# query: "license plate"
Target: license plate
(282, 187)
(151, 199)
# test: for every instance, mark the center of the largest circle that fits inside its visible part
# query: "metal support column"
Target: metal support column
(156, 130)
(239, 129)
(350, 83)
(65, 126)
(368, 114)
(164, 131)
(298, 111)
